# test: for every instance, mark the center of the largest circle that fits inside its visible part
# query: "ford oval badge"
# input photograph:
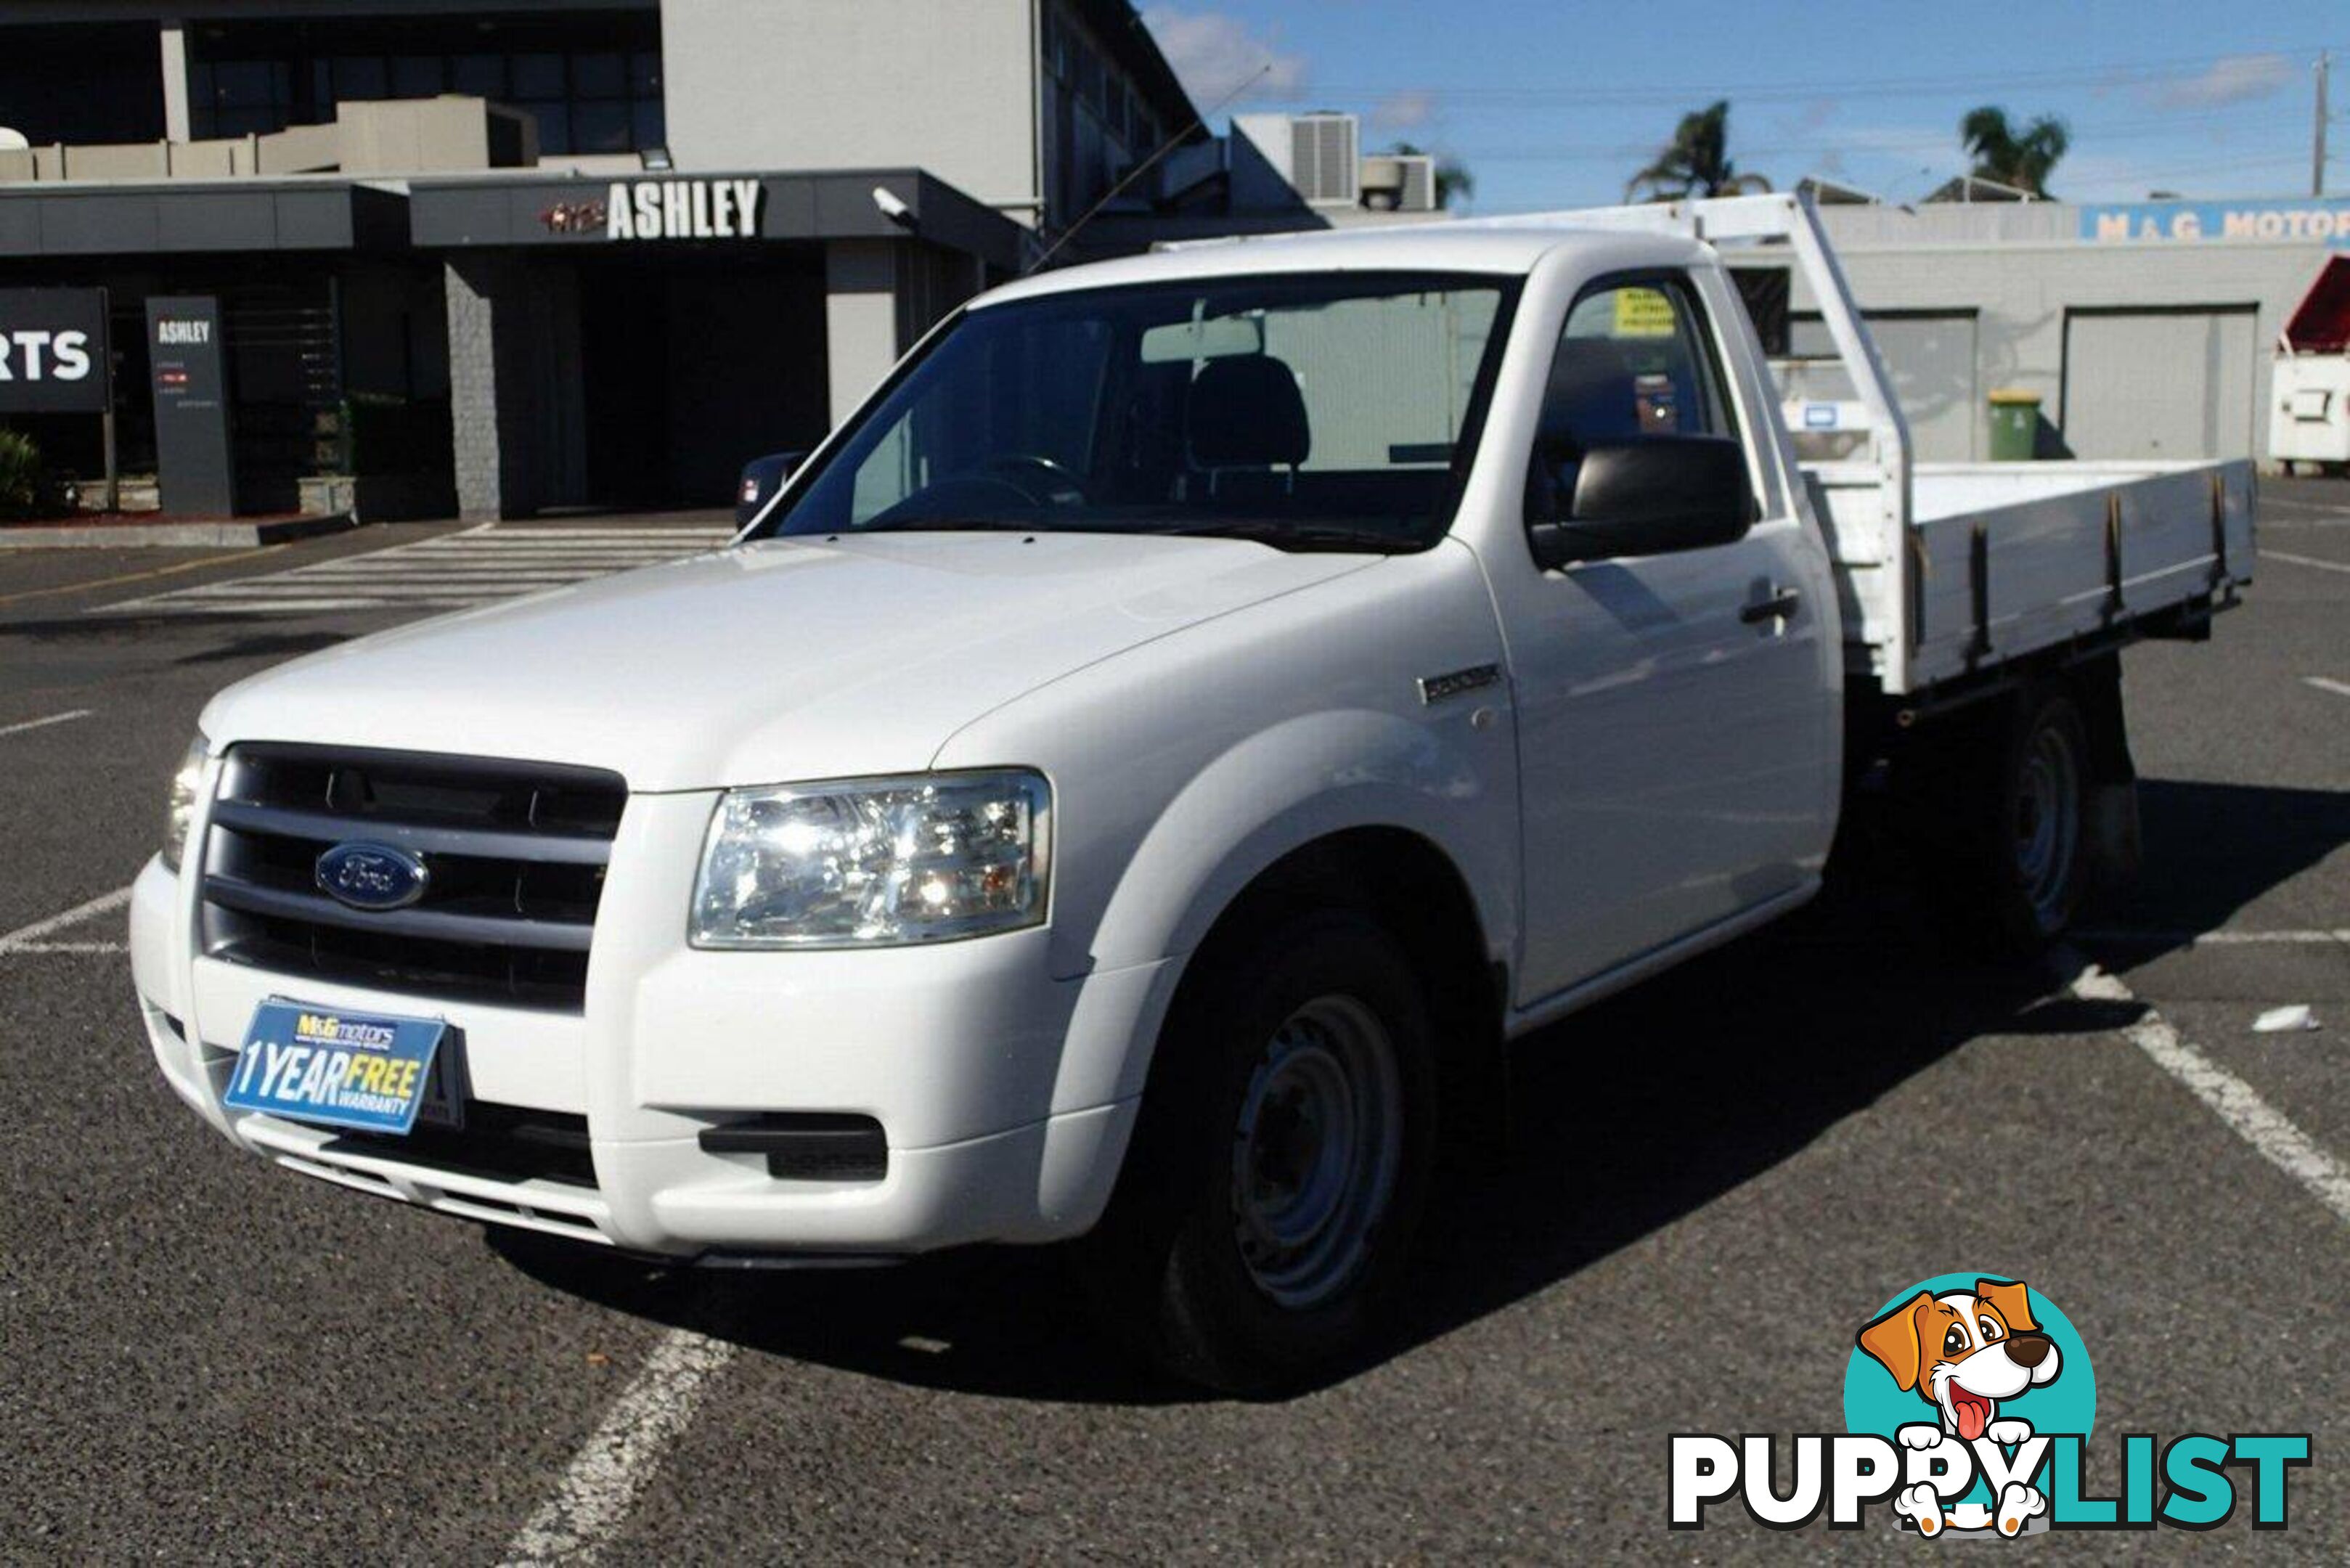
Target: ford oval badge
(372, 876)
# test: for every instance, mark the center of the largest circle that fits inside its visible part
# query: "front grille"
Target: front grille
(517, 853)
(505, 1143)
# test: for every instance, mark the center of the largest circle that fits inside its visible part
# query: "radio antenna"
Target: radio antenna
(1136, 172)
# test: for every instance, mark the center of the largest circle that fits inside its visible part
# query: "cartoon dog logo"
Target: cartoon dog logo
(1962, 1352)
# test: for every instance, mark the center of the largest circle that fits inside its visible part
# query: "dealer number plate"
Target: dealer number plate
(358, 1070)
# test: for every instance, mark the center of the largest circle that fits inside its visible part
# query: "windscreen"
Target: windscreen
(1333, 411)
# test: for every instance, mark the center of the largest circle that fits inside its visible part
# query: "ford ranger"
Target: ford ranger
(1131, 780)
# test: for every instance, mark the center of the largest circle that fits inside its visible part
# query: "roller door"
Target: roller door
(1930, 355)
(2165, 384)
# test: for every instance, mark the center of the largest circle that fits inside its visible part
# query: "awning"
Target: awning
(643, 211)
(2320, 324)
(524, 208)
(213, 215)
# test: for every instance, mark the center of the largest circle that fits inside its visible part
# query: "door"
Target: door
(2163, 384)
(1675, 711)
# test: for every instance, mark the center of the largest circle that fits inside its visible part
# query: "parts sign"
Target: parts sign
(53, 351)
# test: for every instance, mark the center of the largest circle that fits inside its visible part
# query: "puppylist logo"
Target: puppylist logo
(1969, 1399)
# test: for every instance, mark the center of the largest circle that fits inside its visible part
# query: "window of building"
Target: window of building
(240, 98)
(419, 75)
(82, 82)
(594, 85)
(359, 77)
(1098, 122)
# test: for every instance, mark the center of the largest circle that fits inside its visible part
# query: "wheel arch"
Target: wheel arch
(1295, 786)
(1412, 889)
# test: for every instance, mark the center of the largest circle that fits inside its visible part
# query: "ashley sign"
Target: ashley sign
(683, 209)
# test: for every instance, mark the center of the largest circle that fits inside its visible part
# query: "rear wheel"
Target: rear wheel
(2047, 797)
(1278, 1174)
(2024, 806)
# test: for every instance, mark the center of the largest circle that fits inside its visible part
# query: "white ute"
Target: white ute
(1133, 776)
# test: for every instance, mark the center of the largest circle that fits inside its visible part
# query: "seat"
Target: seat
(1597, 392)
(1245, 412)
(1591, 395)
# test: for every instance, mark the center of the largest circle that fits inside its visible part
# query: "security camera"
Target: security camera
(895, 211)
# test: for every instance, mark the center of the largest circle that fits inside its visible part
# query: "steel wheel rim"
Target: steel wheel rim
(2047, 820)
(1315, 1151)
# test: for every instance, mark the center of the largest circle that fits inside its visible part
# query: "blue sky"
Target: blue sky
(1554, 104)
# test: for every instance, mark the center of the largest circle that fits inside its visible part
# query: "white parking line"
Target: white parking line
(2305, 561)
(2296, 504)
(2218, 939)
(27, 939)
(2235, 1102)
(602, 1482)
(44, 724)
(2339, 688)
(448, 571)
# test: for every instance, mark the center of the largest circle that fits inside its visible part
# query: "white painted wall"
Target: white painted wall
(860, 319)
(856, 84)
(2022, 291)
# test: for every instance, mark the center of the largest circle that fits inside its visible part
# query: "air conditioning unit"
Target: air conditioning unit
(1419, 183)
(1399, 183)
(1323, 154)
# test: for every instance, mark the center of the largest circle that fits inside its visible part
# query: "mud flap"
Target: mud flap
(2116, 845)
(2114, 836)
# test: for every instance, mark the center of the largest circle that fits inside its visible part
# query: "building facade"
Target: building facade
(507, 260)
(2147, 330)
(576, 253)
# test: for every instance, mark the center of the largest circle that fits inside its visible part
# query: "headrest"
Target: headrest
(1590, 396)
(1245, 411)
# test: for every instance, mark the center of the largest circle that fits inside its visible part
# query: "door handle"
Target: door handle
(1781, 605)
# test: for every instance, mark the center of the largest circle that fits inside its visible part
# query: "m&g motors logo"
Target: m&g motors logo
(1969, 1400)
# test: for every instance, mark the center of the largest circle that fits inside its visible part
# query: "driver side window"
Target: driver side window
(1632, 361)
(954, 430)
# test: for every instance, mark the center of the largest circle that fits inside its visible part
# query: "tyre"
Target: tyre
(2028, 855)
(1282, 1162)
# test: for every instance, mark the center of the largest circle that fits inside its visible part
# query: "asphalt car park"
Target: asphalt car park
(1705, 1186)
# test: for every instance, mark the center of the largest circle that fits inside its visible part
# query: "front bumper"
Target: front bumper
(1006, 1096)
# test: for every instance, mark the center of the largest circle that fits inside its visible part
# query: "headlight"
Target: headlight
(874, 862)
(181, 804)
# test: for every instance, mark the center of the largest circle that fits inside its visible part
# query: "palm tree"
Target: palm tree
(2022, 158)
(1696, 162)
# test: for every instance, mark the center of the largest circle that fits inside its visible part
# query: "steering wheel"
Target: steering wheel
(1055, 485)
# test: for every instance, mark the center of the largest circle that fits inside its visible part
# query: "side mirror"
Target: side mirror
(1649, 496)
(761, 477)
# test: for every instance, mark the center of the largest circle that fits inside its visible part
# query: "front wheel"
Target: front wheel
(1278, 1173)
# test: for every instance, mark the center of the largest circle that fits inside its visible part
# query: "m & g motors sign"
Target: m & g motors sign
(2317, 220)
(663, 210)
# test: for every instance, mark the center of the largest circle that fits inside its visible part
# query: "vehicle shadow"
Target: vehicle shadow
(102, 624)
(1631, 1114)
(2213, 848)
(267, 645)
(1622, 1120)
